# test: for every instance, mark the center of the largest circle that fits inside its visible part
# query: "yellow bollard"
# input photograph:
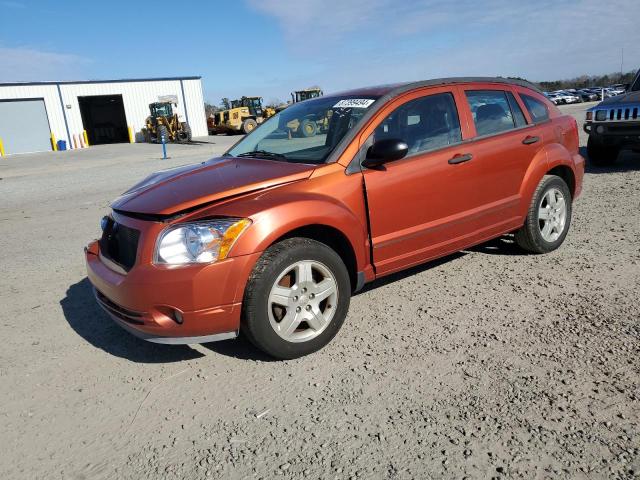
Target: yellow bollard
(1, 148)
(131, 139)
(54, 144)
(86, 139)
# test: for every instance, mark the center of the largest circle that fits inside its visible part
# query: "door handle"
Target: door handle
(459, 158)
(528, 140)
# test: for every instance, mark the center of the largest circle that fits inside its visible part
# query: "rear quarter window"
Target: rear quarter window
(537, 108)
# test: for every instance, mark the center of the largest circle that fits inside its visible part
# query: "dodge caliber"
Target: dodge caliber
(272, 238)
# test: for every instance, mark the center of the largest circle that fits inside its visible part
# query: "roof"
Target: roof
(384, 93)
(397, 88)
(121, 80)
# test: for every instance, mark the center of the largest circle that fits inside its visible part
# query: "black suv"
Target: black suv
(614, 125)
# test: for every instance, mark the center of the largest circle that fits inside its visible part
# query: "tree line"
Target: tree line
(585, 81)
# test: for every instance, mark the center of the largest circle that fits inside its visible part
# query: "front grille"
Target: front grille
(620, 114)
(122, 313)
(119, 244)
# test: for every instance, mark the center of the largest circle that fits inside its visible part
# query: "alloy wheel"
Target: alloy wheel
(303, 301)
(552, 215)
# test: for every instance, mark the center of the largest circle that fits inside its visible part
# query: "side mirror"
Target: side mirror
(384, 151)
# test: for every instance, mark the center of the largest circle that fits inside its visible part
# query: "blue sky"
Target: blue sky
(271, 47)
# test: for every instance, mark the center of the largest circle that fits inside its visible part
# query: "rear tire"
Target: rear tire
(281, 313)
(249, 125)
(601, 155)
(548, 218)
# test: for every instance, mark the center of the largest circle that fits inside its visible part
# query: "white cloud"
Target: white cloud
(356, 42)
(29, 64)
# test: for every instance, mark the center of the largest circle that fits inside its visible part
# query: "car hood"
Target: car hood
(624, 99)
(178, 189)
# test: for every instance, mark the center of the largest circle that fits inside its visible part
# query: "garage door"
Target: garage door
(24, 126)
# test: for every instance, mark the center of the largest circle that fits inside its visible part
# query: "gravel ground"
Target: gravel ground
(488, 363)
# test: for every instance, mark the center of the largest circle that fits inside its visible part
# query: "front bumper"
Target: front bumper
(618, 134)
(145, 300)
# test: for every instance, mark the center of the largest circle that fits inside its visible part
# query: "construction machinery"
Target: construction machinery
(243, 117)
(302, 95)
(164, 121)
(309, 126)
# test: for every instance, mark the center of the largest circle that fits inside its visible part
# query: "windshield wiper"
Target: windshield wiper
(262, 153)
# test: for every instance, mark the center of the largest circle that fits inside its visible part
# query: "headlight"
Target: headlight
(601, 115)
(199, 242)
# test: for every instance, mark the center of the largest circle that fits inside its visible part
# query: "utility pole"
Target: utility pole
(621, 63)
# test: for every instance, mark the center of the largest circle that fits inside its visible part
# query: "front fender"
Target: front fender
(278, 218)
(334, 200)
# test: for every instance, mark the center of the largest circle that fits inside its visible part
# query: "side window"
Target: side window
(491, 111)
(537, 109)
(426, 123)
(518, 116)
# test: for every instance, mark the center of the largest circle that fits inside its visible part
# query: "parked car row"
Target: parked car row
(592, 94)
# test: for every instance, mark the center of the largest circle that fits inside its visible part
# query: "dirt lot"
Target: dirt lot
(488, 363)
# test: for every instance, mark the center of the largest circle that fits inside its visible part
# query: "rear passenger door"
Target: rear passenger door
(504, 144)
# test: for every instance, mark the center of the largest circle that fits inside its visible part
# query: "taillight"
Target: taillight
(574, 129)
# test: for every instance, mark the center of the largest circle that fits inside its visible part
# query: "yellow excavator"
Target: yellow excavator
(164, 121)
(244, 116)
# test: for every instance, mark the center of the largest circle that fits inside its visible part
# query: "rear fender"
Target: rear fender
(559, 156)
(537, 169)
(551, 156)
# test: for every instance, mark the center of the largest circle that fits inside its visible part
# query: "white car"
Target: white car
(565, 97)
(553, 97)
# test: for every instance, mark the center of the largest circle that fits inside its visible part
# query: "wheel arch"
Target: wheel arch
(309, 216)
(334, 239)
(554, 159)
(565, 173)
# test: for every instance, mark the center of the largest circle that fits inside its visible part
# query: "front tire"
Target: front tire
(160, 131)
(184, 135)
(296, 299)
(307, 128)
(549, 217)
(249, 125)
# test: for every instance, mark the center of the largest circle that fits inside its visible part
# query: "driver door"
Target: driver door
(424, 205)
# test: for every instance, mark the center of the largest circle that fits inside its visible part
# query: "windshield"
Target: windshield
(162, 110)
(304, 132)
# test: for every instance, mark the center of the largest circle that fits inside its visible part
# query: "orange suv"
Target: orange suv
(272, 238)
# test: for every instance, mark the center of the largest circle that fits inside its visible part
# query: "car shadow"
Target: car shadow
(89, 321)
(504, 245)
(240, 348)
(394, 277)
(627, 161)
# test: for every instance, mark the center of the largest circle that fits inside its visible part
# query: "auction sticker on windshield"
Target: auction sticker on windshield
(354, 103)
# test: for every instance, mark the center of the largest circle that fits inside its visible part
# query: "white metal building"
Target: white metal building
(32, 112)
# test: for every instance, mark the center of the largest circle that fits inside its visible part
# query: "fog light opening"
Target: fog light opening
(600, 129)
(177, 317)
